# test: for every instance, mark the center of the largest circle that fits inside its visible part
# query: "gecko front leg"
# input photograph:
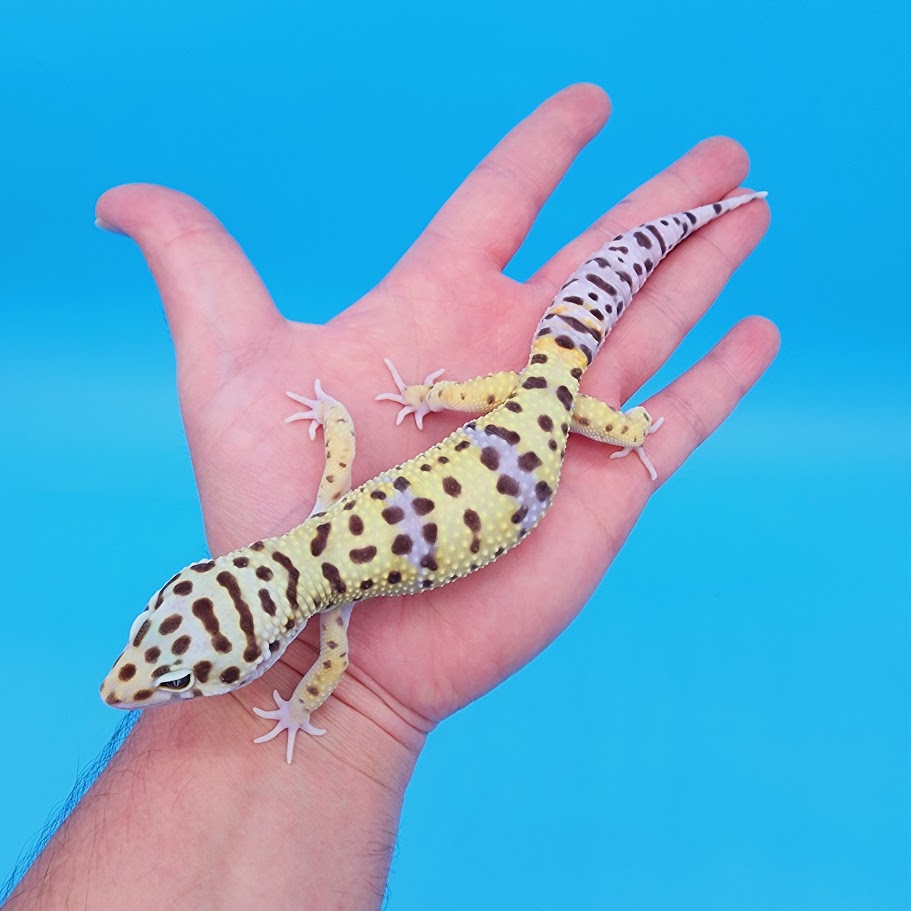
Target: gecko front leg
(293, 715)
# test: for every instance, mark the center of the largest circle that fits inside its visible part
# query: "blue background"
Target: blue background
(739, 733)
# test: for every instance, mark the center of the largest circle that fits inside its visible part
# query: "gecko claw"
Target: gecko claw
(316, 408)
(640, 451)
(412, 398)
(282, 716)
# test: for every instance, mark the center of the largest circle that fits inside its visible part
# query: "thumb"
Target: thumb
(217, 307)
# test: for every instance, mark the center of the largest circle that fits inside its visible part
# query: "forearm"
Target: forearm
(190, 812)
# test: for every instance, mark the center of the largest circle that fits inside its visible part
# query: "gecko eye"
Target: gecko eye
(175, 680)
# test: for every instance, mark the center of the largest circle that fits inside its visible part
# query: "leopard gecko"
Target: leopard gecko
(221, 623)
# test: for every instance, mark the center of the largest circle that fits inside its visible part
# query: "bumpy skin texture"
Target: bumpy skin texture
(221, 623)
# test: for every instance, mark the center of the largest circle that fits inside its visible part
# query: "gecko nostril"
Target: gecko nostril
(111, 699)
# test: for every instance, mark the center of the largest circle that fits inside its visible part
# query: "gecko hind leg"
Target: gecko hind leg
(293, 715)
(412, 398)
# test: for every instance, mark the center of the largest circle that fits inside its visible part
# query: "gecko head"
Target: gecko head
(196, 637)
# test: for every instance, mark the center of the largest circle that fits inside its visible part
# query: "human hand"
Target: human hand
(446, 303)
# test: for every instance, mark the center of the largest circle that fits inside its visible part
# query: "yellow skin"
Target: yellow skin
(220, 624)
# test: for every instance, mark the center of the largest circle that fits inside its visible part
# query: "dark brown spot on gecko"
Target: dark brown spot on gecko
(514, 407)
(426, 467)
(601, 283)
(169, 624)
(507, 486)
(464, 444)
(293, 577)
(452, 487)
(141, 633)
(579, 326)
(394, 577)
(241, 562)
(183, 588)
(442, 460)
(472, 520)
(367, 583)
(402, 545)
(201, 670)
(393, 514)
(180, 646)
(642, 240)
(264, 573)
(227, 581)
(529, 461)
(573, 300)
(334, 577)
(538, 359)
(152, 654)
(356, 525)
(327, 664)
(203, 567)
(230, 675)
(491, 399)
(576, 373)
(519, 515)
(552, 444)
(535, 382)
(422, 505)
(564, 341)
(313, 690)
(318, 544)
(401, 483)
(545, 423)
(660, 239)
(542, 490)
(490, 458)
(428, 562)
(564, 427)
(429, 532)
(504, 433)
(268, 605)
(141, 695)
(257, 545)
(565, 397)
(378, 495)
(127, 672)
(203, 610)
(363, 554)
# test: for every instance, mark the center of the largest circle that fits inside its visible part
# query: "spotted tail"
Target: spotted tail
(596, 294)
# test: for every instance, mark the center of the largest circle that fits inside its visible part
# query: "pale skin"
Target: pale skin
(190, 811)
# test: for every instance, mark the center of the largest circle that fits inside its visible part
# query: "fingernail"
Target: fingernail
(108, 226)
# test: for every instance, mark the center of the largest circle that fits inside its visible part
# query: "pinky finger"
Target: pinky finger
(697, 403)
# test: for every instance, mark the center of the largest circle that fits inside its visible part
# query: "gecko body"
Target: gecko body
(221, 623)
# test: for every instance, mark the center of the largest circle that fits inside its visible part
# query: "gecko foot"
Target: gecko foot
(316, 408)
(640, 451)
(412, 398)
(287, 717)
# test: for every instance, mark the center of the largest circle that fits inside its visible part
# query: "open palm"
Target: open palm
(446, 304)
